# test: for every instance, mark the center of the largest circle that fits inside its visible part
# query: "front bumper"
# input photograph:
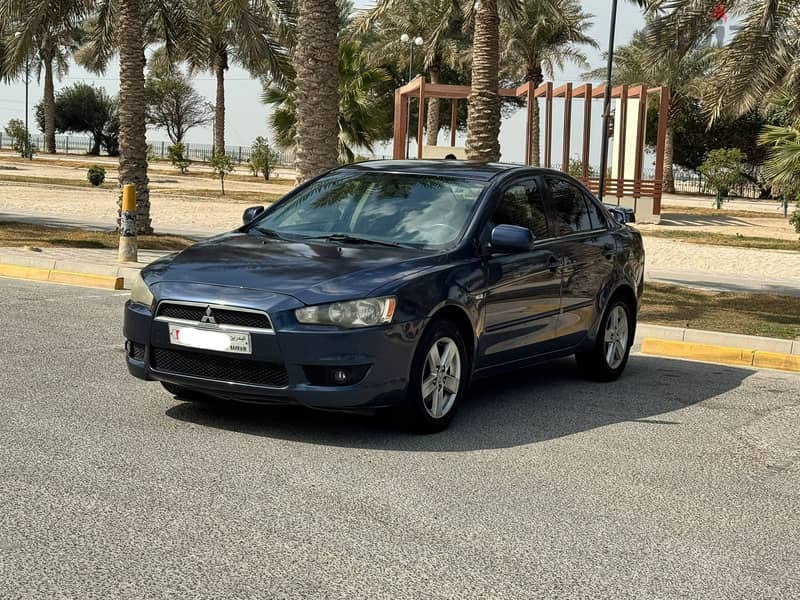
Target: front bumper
(381, 356)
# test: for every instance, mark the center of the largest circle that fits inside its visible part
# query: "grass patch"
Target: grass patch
(668, 211)
(81, 183)
(768, 315)
(722, 239)
(25, 234)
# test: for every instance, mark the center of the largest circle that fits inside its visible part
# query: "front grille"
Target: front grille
(223, 316)
(222, 368)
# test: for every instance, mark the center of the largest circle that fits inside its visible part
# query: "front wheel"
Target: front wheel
(439, 378)
(607, 360)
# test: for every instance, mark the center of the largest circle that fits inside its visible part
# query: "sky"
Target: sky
(247, 117)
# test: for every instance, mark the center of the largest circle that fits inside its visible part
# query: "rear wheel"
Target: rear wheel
(607, 360)
(439, 378)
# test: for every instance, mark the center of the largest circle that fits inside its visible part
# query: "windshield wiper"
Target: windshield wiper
(353, 239)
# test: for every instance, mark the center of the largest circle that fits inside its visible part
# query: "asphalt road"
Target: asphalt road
(679, 481)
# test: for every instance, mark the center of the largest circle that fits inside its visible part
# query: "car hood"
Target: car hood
(312, 272)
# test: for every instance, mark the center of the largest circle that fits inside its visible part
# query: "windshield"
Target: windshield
(406, 209)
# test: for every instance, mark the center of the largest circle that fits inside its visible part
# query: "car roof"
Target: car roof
(461, 169)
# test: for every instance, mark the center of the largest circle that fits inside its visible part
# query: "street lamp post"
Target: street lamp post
(417, 41)
(28, 153)
(607, 102)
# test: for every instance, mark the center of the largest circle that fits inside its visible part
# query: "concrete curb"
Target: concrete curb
(744, 357)
(110, 282)
(96, 275)
(716, 338)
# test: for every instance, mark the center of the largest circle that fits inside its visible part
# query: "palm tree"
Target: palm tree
(220, 32)
(132, 109)
(540, 41)
(684, 73)
(44, 37)
(440, 23)
(762, 57)
(129, 27)
(360, 116)
(315, 60)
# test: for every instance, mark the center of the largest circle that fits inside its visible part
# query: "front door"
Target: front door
(522, 300)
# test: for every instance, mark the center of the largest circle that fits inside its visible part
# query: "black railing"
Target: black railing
(77, 144)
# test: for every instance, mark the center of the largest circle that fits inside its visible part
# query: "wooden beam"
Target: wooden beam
(619, 141)
(529, 100)
(411, 86)
(421, 117)
(567, 127)
(641, 125)
(400, 116)
(663, 115)
(548, 124)
(587, 128)
(453, 121)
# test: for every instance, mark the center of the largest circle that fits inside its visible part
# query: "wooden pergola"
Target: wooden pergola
(636, 187)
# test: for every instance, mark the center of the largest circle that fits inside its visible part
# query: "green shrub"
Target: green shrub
(96, 175)
(722, 170)
(176, 157)
(19, 141)
(262, 158)
(795, 218)
(221, 164)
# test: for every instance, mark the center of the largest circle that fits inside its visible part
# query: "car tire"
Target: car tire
(185, 394)
(607, 359)
(430, 409)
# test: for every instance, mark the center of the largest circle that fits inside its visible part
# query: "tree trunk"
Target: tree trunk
(317, 90)
(219, 115)
(434, 112)
(132, 140)
(535, 143)
(483, 118)
(669, 172)
(49, 108)
(535, 76)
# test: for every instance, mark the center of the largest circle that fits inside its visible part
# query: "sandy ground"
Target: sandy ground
(767, 227)
(169, 213)
(163, 177)
(747, 263)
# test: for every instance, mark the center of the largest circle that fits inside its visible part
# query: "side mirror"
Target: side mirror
(511, 238)
(250, 214)
(619, 216)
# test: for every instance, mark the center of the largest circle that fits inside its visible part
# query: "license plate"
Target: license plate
(221, 341)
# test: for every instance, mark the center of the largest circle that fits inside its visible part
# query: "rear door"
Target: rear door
(523, 288)
(587, 248)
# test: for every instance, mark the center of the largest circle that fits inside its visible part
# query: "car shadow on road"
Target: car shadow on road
(541, 403)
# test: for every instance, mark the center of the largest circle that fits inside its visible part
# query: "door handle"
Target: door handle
(608, 251)
(553, 263)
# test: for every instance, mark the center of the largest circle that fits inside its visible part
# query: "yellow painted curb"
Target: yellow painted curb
(776, 360)
(722, 354)
(109, 282)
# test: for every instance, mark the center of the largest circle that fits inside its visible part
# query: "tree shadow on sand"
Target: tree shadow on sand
(540, 403)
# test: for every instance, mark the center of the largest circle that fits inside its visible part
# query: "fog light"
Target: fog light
(341, 376)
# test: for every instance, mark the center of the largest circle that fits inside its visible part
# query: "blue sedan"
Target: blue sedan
(392, 284)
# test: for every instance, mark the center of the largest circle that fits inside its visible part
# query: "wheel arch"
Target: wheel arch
(460, 318)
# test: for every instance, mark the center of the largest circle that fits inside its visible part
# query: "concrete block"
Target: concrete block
(661, 332)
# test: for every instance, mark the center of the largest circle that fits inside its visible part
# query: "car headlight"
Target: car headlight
(357, 313)
(140, 293)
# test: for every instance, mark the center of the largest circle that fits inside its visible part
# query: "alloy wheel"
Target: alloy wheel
(616, 337)
(441, 377)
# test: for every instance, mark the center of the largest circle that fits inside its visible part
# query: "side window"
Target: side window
(522, 205)
(596, 214)
(572, 214)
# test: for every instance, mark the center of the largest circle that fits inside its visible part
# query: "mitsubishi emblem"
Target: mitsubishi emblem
(208, 317)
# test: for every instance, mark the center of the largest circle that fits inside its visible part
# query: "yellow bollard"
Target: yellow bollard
(128, 251)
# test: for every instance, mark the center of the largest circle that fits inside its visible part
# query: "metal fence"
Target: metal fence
(691, 183)
(76, 144)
